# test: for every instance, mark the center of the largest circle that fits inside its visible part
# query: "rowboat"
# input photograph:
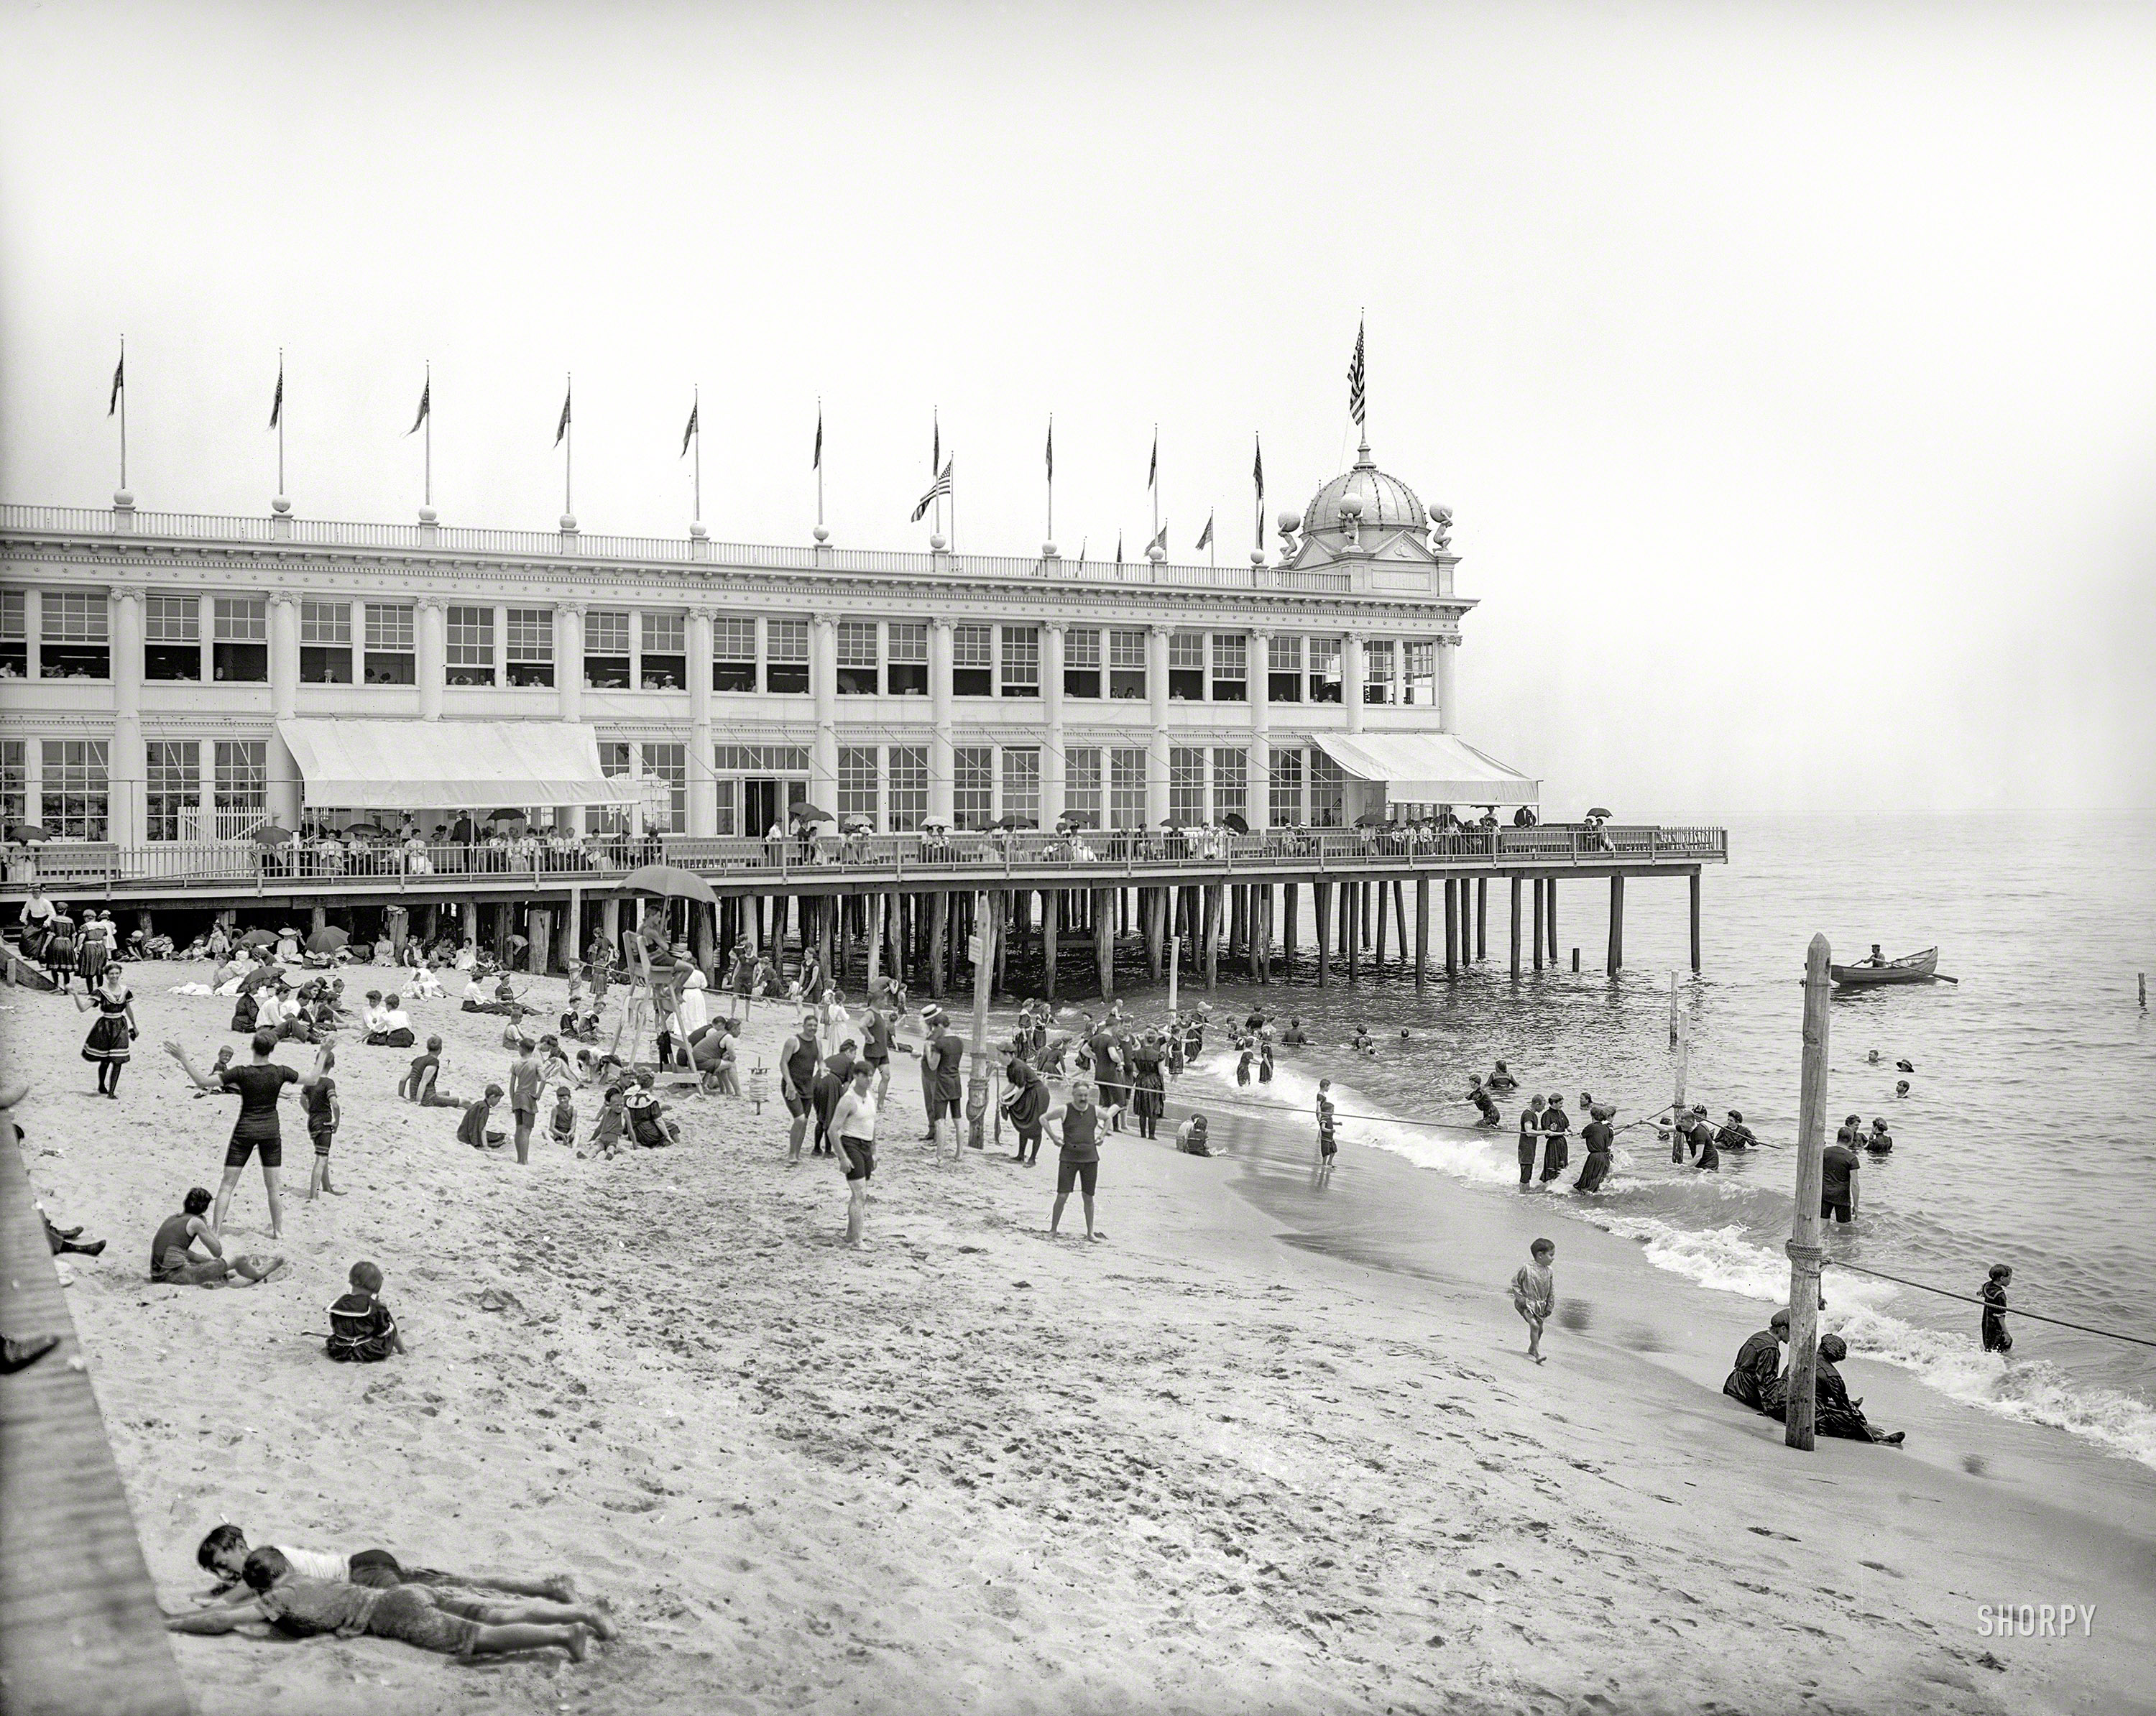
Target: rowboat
(1912, 967)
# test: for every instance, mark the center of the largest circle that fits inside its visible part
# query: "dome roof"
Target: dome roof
(1386, 503)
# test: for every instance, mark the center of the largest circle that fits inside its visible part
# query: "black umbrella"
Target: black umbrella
(506, 816)
(1014, 822)
(27, 831)
(363, 828)
(258, 938)
(327, 939)
(260, 976)
(1076, 821)
(1235, 823)
(1599, 811)
(803, 811)
(669, 882)
(1374, 819)
(269, 834)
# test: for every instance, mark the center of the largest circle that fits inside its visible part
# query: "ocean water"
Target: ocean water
(2029, 1137)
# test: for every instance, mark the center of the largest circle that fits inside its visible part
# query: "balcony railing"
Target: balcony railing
(1095, 858)
(682, 552)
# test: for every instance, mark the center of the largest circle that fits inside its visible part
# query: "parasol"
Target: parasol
(27, 831)
(262, 974)
(1235, 823)
(258, 938)
(269, 834)
(668, 881)
(1599, 811)
(1374, 819)
(801, 811)
(327, 939)
(1014, 822)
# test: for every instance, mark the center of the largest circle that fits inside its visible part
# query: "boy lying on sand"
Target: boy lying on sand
(418, 1614)
(225, 1553)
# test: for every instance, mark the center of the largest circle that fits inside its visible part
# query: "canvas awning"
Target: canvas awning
(445, 765)
(1429, 768)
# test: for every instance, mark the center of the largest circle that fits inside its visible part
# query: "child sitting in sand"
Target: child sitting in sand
(362, 1330)
(1191, 1137)
(418, 1084)
(297, 1606)
(216, 1069)
(561, 1123)
(473, 1129)
(173, 1260)
(1534, 1294)
(613, 1121)
(648, 1124)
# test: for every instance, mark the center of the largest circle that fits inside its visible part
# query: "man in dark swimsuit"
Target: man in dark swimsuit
(259, 1084)
(797, 1081)
(1838, 1182)
(1079, 1163)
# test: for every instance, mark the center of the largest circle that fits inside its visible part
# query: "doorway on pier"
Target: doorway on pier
(767, 801)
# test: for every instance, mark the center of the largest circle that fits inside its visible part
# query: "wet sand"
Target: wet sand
(1266, 1447)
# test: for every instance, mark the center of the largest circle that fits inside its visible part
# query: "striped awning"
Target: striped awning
(1429, 768)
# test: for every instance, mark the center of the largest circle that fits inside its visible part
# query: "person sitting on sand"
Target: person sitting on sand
(420, 1085)
(1500, 1079)
(173, 1260)
(613, 1122)
(362, 1330)
(472, 1130)
(1835, 1414)
(395, 1029)
(296, 1606)
(561, 1122)
(1756, 1379)
(1193, 1136)
(224, 1551)
(1534, 1293)
(648, 1127)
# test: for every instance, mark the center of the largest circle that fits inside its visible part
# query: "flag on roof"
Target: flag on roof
(1052, 446)
(1205, 536)
(562, 427)
(689, 433)
(277, 404)
(936, 490)
(1152, 465)
(119, 383)
(1355, 397)
(426, 405)
(1159, 541)
(1258, 469)
(817, 463)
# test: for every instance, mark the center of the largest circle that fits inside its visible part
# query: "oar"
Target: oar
(1943, 977)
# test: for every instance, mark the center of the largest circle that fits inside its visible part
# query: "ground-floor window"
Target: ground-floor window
(76, 789)
(1127, 788)
(1082, 786)
(973, 786)
(173, 780)
(1021, 783)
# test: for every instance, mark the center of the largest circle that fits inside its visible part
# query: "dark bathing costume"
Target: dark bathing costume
(1080, 1160)
(801, 1073)
(259, 1084)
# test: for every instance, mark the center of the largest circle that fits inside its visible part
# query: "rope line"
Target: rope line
(2011, 1311)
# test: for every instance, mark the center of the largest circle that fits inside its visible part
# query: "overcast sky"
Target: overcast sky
(1790, 370)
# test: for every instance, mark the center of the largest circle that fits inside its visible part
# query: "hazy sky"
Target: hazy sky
(1791, 369)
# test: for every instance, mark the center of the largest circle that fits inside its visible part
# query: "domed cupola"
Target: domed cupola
(1364, 514)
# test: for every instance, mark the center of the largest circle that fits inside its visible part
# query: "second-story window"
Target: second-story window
(239, 639)
(74, 635)
(972, 663)
(1186, 667)
(665, 663)
(324, 643)
(1082, 663)
(973, 785)
(906, 672)
(1231, 782)
(606, 650)
(1022, 783)
(786, 655)
(857, 664)
(1231, 672)
(733, 656)
(390, 659)
(1325, 670)
(15, 637)
(1127, 786)
(530, 642)
(1377, 671)
(1082, 786)
(469, 659)
(1021, 664)
(172, 639)
(1284, 670)
(1127, 666)
(1421, 661)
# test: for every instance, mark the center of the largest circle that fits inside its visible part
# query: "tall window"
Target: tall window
(1284, 670)
(606, 650)
(733, 656)
(74, 636)
(907, 673)
(1022, 783)
(858, 775)
(1127, 788)
(613, 758)
(14, 635)
(1325, 670)
(531, 646)
(1082, 663)
(972, 661)
(243, 777)
(669, 763)
(14, 783)
(1284, 801)
(1231, 672)
(1186, 667)
(1186, 785)
(726, 807)
(1378, 670)
(390, 659)
(786, 655)
(857, 663)
(172, 639)
(1422, 672)
(324, 643)
(76, 788)
(1231, 782)
(1328, 792)
(470, 658)
(1021, 666)
(173, 779)
(239, 639)
(907, 785)
(1082, 785)
(972, 782)
(1126, 665)
(665, 663)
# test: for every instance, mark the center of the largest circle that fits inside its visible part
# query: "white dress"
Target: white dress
(695, 1008)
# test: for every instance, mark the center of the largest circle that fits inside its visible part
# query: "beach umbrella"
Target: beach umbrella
(668, 881)
(1372, 818)
(1599, 811)
(327, 939)
(269, 834)
(363, 828)
(1234, 823)
(801, 811)
(260, 975)
(1014, 822)
(859, 825)
(27, 831)
(258, 938)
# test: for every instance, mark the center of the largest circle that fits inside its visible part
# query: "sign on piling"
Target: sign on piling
(1805, 1229)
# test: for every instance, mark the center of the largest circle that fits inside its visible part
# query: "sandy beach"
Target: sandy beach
(1254, 1451)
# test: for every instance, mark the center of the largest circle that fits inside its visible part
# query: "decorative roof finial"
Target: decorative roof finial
(1362, 459)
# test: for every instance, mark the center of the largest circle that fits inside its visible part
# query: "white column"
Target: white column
(1157, 752)
(1053, 784)
(1448, 654)
(433, 641)
(127, 763)
(501, 645)
(33, 619)
(206, 785)
(569, 662)
(282, 770)
(703, 785)
(823, 682)
(1259, 808)
(205, 624)
(942, 737)
(1351, 681)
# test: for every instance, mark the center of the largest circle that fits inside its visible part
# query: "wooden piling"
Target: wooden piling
(1321, 904)
(1695, 880)
(939, 916)
(1376, 890)
(539, 945)
(1616, 924)
(1213, 905)
(1454, 895)
(1516, 929)
(1538, 923)
(1360, 895)
(1550, 917)
(1482, 918)
(1051, 911)
(1156, 910)
(1804, 1254)
(1287, 931)
(1422, 929)
(1104, 941)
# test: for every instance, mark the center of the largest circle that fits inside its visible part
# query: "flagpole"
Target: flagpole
(819, 465)
(1051, 477)
(123, 411)
(280, 420)
(568, 443)
(697, 411)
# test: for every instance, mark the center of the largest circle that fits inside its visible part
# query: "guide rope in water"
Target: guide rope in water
(2007, 1310)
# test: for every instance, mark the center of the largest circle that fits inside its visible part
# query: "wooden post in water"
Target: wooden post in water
(1322, 903)
(1155, 908)
(1051, 910)
(1695, 919)
(1516, 929)
(1454, 898)
(1353, 926)
(1377, 894)
(1287, 932)
(1104, 941)
(939, 927)
(1481, 918)
(1215, 903)
(1616, 924)
(1805, 1229)
(1549, 916)
(1538, 923)
(1400, 913)
(1422, 929)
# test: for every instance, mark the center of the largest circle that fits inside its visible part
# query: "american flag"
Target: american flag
(1159, 541)
(1205, 536)
(1355, 379)
(689, 433)
(426, 405)
(562, 427)
(937, 491)
(277, 404)
(119, 383)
